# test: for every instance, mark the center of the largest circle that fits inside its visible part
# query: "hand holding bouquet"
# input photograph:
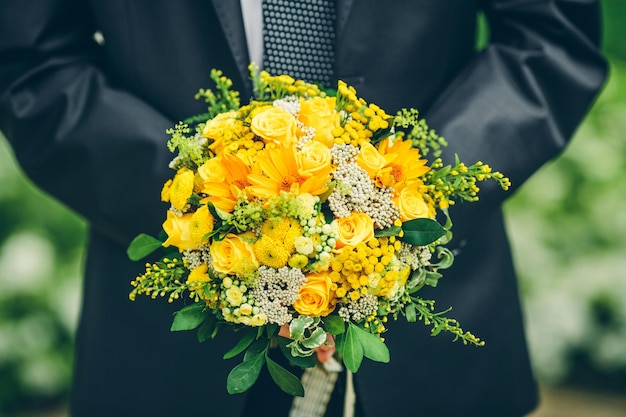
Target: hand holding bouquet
(304, 210)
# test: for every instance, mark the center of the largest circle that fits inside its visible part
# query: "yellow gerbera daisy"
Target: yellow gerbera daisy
(224, 194)
(404, 163)
(277, 170)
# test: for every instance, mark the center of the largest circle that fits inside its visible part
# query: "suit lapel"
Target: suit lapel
(231, 20)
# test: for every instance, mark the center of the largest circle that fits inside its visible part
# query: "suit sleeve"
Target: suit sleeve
(517, 104)
(95, 147)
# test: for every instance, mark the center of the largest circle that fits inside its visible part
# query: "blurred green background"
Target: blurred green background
(567, 225)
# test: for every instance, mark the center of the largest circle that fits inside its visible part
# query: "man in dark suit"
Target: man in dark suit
(87, 123)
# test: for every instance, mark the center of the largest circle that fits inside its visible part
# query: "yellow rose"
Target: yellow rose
(233, 255)
(370, 159)
(258, 320)
(214, 128)
(315, 296)
(315, 159)
(411, 204)
(303, 245)
(178, 231)
(234, 296)
(354, 229)
(320, 114)
(275, 125)
(212, 170)
(306, 205)
(245, 309)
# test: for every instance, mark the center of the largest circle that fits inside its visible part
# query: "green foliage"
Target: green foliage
(267, 87)
(422, 231)
(191, 153)
(423, 137)
(189, 317)
(242, 345)
(567, 228)
(142, 246)
(287, 381)
(220, 101)
(306, 335)
(244, 375)
(39, 301)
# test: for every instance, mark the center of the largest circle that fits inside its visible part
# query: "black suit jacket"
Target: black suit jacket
(87, 125)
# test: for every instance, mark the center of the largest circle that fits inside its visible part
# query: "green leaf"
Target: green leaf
(448, 223)
(257, 348)
(190, 317)
(298, 326)
(287, 381)
(373, 348)
(334, 325)
(436, 330)
(142, 246)
(432, 278)
(328, 214)
(242, 345)
(340, 340)
(208, 329)
(417, 280)
(446, 258)
(411, 313)
(301, 361)
(244, 375)
(271, 330)
(421, 232)
(352, 350)
(317, 338)
(389, 231)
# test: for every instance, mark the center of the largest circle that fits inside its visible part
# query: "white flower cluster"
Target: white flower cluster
(356, 192)
(290, 104)
(196, 257)
(414, 256)
(275, 290)
(193, 259)
(359, 309)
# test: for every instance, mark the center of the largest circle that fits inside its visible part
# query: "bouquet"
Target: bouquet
(308, 213)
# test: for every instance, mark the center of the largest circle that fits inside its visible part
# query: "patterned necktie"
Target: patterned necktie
(298, 37)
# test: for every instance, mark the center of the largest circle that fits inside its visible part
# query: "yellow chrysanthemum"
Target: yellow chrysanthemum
(276, 228)
(298, 261)
(201, 223)
(293, 233)
(181, 188)
(270, 252)
(165, 191)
